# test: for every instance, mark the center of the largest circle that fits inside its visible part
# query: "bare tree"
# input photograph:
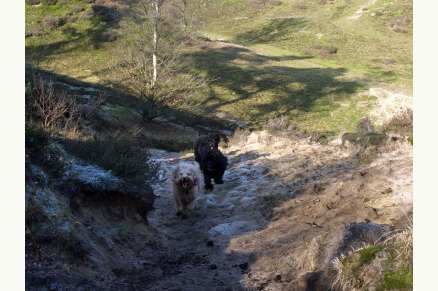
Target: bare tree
(150, 63)
(52, 108)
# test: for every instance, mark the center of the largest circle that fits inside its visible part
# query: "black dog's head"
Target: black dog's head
(212, 141)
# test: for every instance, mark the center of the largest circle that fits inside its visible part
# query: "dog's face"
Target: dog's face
(210, 143)
(184, 177)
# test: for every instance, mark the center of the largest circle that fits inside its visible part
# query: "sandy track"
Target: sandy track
(280, 196)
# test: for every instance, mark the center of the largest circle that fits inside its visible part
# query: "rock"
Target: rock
(47, 215)
(358, 234)
(230, 229)
(91, 186)
(91, 178)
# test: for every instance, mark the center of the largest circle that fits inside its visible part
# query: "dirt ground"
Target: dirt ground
(276, 223)
(281, 213)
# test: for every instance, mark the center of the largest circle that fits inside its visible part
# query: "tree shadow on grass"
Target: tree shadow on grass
(179, 124)
(275, 30)
(262, 84)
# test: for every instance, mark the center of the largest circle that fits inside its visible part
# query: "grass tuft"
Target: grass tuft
(392, 271)
(52, 22)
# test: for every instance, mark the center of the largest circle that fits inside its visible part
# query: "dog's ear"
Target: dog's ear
(175, 173)
(196, 178)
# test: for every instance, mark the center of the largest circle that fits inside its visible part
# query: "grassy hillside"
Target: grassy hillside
(310, 61)
(364, 32)
(313, 62)
(74, 46)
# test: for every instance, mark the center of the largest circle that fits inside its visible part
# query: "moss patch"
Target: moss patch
(368, 255)
(400, 280)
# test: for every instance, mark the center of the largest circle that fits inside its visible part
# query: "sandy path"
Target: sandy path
(280, 194)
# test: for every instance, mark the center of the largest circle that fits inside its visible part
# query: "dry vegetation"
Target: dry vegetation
(385, 265)
(50, 109)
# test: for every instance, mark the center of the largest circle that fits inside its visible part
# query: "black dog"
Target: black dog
(213, 164)
(210, 141)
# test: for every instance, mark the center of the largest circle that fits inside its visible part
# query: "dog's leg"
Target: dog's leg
(184, 211)
(218, 180)
(207, 182)
(178, 207)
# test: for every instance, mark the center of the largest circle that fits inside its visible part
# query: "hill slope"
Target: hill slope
(287, 210)
(321, 61)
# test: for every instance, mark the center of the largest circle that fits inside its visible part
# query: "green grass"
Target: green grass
(399, 273)
(359, 41)
(279, 71)
(254, 87)
(367, 255)
(282, 72)
(402, 280)
(72, 49)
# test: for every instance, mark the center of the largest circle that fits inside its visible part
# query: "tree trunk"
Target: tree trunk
(155, 45)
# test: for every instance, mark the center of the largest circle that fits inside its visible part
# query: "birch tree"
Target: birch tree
(156, 8)
(151, 63)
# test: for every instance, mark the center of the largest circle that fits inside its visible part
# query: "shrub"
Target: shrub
(36, 139)
(319, 137)
(36, 32)
(402, 122)
(78, 9)
(33, 2)
(40, 151)
(106, 13)
(365, 125)
(278, 123)
(239, 137)
(120, 153)
(52, 110)
(275, 2)
(49, 2)
(88, 15)
(107, 36)
(52, 22)
(326, 49)
(69, 18)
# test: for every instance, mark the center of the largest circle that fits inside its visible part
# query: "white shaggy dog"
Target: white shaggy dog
(187, 184)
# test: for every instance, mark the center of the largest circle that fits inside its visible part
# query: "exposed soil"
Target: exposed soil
(275, 224)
